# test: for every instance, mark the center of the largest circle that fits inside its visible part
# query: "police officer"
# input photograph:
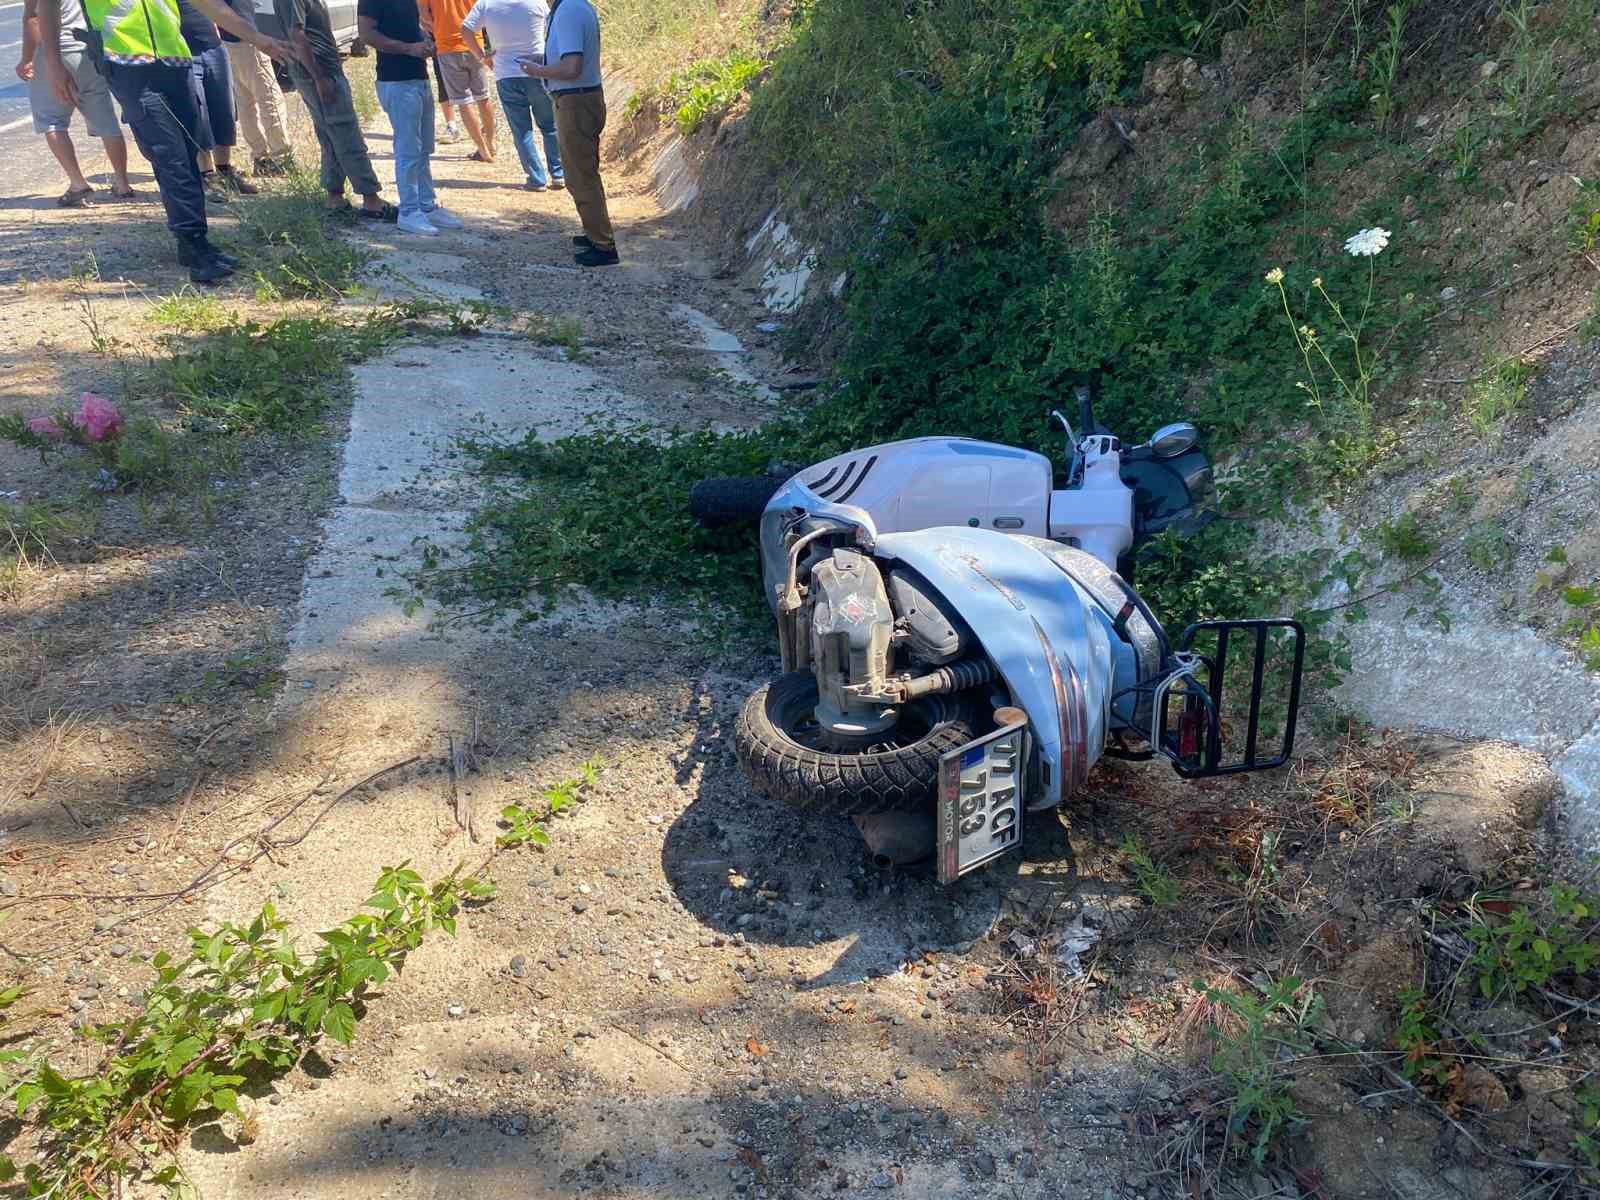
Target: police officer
(146, 63)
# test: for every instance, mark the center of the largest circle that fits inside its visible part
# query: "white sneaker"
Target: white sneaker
(418, 224)
(444, 218)
(451, 133)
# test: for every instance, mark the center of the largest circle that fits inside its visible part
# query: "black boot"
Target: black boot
(198, 255)
(228, 260)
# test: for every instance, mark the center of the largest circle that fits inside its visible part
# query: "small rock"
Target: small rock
(580, 906)
(661, 974)
(8, 887)
(519, 966)
(983, 1162)
(883, 1180)
(456, 1011)
(1488, 69)
(120, 949)
(119, 868)
(1448, 293)
(902, 1073)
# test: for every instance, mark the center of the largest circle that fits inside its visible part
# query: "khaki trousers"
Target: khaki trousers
(580, 120)
(258, 102)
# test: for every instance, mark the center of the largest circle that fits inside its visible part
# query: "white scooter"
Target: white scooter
(959, 648)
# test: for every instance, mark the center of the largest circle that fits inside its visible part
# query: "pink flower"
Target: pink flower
(45, 427)
(97, 417)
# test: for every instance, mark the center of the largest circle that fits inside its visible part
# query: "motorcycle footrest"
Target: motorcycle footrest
(1199, 734)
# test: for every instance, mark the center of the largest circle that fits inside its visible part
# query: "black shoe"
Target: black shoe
(233, 181)
(213, 187)
(196, 252)
(274, 166)
(582, 242)
(596, 257)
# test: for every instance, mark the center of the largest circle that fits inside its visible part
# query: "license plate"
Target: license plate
(981, 800)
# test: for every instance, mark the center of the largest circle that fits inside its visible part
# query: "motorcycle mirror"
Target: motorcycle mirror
(1172, 440)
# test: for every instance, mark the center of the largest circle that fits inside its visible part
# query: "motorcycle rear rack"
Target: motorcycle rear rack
(1203, 705)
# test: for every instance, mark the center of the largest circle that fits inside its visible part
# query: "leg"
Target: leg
(350, 145)
(117, 152)
(60, 143)
(544, 114)
(246, 102)
(424, 175)
(471, 119)
(399, 104)
(519, 121)
(94, 102)
(332, 176)
(580, 120)
(159, 107)
(486, 119)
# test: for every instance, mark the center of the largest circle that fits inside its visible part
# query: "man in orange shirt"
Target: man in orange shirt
(465, 80)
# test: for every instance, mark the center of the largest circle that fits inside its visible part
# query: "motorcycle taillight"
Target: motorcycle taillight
(1192, 727)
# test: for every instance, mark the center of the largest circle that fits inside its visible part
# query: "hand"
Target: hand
(273, 48)
(528, 69)
(488, 60)
(422, 49)
(61, 81)
(25, 69)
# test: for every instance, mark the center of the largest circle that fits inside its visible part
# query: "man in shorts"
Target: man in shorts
(319, 77)
(53, 118)
(465, 80)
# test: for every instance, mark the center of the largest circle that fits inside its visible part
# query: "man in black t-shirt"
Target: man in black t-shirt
(393, 28)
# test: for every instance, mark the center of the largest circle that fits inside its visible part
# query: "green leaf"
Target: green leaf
(26, 1095)
(340, 1023)
(1580, 597)
(185, 1097)
(1544, 949)
(182, 1054)
(8, 1169)
(226, 1099)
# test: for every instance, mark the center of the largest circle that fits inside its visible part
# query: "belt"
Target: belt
(583, 91)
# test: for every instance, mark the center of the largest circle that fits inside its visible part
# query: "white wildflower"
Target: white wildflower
(1275, 275)
(1367, 242)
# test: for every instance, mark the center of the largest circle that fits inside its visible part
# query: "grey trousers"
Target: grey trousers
(344, 149)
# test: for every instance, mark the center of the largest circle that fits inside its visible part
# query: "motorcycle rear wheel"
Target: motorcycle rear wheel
(780, 748)
(731, 499)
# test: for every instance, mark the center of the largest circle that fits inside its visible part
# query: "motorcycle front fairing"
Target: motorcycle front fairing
(1039, 628)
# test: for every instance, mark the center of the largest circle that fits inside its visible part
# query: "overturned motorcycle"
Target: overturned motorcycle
(959, 648)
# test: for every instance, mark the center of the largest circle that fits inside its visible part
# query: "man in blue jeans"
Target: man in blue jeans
(393, 28)
(516, 31)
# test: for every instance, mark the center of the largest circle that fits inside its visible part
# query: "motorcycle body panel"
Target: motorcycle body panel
(1010, 593)
(925, 482)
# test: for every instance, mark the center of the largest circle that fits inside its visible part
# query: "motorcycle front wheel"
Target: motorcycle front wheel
(783, 752)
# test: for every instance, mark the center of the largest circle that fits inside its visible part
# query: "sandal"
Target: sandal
(388, 213)
(130, 194)
(477, 156)
(74, 199)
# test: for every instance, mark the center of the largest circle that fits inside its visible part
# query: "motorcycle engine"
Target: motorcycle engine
(852, 625)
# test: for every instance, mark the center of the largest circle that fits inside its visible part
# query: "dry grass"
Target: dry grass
(646, 41)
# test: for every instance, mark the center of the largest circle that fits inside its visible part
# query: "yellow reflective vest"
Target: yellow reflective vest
(138, 28)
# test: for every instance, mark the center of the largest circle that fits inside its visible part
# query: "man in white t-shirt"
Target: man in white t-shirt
(516, 32)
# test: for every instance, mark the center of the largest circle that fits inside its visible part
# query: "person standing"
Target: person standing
(465, 80)
(54, 119)
(516, 31)
(147, 68)
(257, 101)
(571, 68)
(213, 97)
(393, 28)
(318, 76)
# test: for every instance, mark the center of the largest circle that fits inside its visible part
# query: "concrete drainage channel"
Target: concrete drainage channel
(401, 480)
